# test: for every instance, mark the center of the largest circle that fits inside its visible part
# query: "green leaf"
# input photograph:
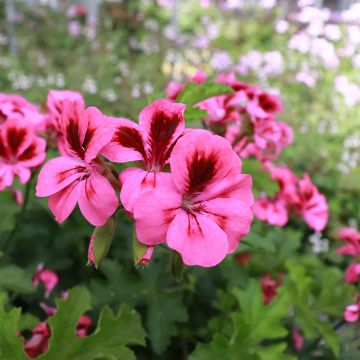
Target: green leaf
(194, 93)
(15, 279)
(164, 311)
(194, 113)
(8, 210)
(260, 321)
(275, 352)
(110, 338)
(11, 346)
(254, 241)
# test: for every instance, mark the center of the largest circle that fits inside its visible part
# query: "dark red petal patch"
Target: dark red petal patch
(201, 170)
(29, 153)
(162, 128)
(72, 137)
(15, 137)
(130, 138)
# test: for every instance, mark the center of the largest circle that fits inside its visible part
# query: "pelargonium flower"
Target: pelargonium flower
(160, 125)
(38, 343)
(202, 209)
(47, 277)
(79, 176)
(312, 205)
(273, 211)
(15, 107)
(352, 312)
(298, 339)
(352, 273)
(20, 151)
(268, 287)
(352, 237)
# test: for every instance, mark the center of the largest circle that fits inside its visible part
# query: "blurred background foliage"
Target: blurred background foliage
(120, 63)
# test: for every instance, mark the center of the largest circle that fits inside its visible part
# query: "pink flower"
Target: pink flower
(160, 125)
(268, 288)
(272, 211)
(47, 277)
(298, 339)
(352, 237)
(20, 151)
(202, 210)
(352, 313)
(16, 107)
(312, 205)
(38, 343)
(352, 273)
(199, 77)
(78, 177)
(173, 89)
(84, 325)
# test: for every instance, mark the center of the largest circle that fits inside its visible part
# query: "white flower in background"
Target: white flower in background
(303, 3)
(136, 91)
(308, 78)
(148, 88)
(234, 4)
(352, 14)
(273, 63)
(300, 42)
(221, 60)
(74, 28)
(60, 80)
(350, 157)
(353, 33)
(282, 26)
(89, 85)
(347, 51)
(250, 61)
(318, 243)
(315, 28)
(353, 223)
(309, 14)
(356, 60)
(267, 4)
(350, 91)
(332, 32)
(123, 68)
(109, 95)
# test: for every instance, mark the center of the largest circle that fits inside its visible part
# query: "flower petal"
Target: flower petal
(153, 213)
(126, 144)
(57, 174)
(97, 200)
(136, 182)
(198, 239)
(161, 123)
(233, 216)
(63, 202)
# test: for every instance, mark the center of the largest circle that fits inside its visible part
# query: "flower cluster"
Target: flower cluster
(296, 197)
(246, 117)
(186, 188)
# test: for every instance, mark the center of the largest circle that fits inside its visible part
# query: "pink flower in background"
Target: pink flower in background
(78, 177)
(47, 277)
(198, 78)
(55, 101)
(307, 78)
(18, 196)
(84, 325)
(38, 343)
(352, 312)
(160, 125)
(282, 26)
(15, 107)
(298, 339)
(352, 273)
(173, 89)
(20, 151)
(268, 287)
(352, 237)
(273, 211)
(76, 10)
(312, 205)
(203, 210)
